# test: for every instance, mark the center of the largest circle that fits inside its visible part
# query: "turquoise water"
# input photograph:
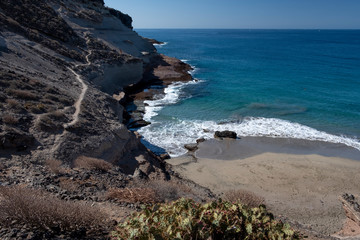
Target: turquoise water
(276, 83)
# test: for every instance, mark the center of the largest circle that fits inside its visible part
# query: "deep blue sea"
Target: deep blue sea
(301, 84)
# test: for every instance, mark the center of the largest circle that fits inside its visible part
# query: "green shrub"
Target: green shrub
(186, 219)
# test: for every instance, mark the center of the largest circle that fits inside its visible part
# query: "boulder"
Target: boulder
(139, 124)
(165, 156)
(225, 134)
(14, 138)
(191, 147)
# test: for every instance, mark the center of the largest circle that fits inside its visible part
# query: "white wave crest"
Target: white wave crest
(171, 96)
(160, 45)
(172, 136)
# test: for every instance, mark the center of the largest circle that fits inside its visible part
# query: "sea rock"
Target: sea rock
(139, 124)
(153, 41)
(225, 134)
(165, 156)
(191, 147)
(200, 140)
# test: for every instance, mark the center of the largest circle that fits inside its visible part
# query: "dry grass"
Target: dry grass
(167, 190)
(69, 185)
(48, 124)
(23, 94)
(54, 165)
(245, 197)
(12, 103)
(9, 119)
(132, 195)
(36, 107)
(92, 164)
(152, 191)
(43, 211)
(58, 115)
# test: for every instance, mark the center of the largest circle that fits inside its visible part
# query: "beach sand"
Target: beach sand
(300, 180)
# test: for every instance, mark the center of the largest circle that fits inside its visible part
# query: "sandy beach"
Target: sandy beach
(300, 180)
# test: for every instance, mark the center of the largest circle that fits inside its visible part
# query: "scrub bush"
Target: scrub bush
(186, 219)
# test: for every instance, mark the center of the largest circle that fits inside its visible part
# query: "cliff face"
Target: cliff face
(61, 61)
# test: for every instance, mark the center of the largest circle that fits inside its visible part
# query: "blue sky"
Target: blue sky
(263, 14)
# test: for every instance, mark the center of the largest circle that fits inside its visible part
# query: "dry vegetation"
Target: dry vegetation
(43, 211)
(133, 195)
(92, 164)
(23, 94)
(69, 185)
(152, 191)
(13, 104)
(245, 197)
(9, 119)
(54, 165)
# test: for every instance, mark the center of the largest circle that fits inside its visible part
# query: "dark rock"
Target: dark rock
(124, 18)
(101, 2)
(15, 138)
(200, 140)
(191, 147)
(153, 41)
(225, 134)
(138, 124)
(165, 156)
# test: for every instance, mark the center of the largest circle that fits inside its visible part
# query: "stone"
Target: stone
(138, 174)
(200, 140)
(191, 147)
(119, 97)
(15, 138)
(225, 134)
(165, 156)
(138, 124)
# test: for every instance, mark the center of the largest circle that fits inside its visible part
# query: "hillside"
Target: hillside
(61, 63)
(67, 69)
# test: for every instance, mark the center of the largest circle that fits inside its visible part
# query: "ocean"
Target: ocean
(302, 84)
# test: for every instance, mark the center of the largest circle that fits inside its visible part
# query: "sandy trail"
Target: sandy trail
(84, 89)
(77, 105)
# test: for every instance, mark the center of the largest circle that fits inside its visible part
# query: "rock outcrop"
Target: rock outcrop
(225, 134)
(61, 62)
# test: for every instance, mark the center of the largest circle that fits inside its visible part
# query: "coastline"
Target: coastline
(230, 149)
(162, 72)
(300, 181)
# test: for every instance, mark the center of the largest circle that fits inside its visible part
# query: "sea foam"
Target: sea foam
(171, 135)
(160, 45)
(171, 96)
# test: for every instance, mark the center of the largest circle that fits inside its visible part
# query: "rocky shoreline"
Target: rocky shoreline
(67, 70)
(73, 80)
(164, 71)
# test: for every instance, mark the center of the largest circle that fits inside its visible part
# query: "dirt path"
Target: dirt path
(78, 103)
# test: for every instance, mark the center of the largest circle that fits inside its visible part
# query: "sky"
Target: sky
(242, 14)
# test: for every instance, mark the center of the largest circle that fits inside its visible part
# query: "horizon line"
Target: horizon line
(167, 28)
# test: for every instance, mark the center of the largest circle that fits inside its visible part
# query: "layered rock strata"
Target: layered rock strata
(61, 63)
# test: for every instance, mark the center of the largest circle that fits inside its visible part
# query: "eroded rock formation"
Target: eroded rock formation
(50, 51)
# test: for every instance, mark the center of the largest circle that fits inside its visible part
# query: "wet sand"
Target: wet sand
(300, 180)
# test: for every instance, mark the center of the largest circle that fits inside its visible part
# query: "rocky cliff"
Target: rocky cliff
(62, 62)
